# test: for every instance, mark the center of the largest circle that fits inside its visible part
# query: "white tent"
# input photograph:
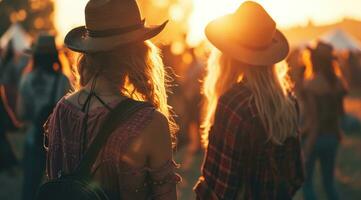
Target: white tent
(341, 40)
(21, 39)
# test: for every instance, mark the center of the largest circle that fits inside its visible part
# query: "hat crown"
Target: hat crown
(255, 27)
(45, 44)
(111, 14)
(323, 49)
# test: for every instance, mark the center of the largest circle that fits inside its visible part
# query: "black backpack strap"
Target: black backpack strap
(118, 115)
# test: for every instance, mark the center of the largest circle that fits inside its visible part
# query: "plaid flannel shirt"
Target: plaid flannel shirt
(240, 163)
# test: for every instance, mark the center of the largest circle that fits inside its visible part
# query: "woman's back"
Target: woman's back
(36, 89)
(328, 103)
(259, 169)
(124, 168)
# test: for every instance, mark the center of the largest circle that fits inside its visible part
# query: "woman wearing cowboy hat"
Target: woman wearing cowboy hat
(117, 62)
(39, 89)
(324, 94)
(250, 123)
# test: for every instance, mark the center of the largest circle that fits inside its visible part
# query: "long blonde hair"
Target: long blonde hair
(270, 93)
(138, 71)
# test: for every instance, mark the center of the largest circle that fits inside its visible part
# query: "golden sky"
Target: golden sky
(70, 13)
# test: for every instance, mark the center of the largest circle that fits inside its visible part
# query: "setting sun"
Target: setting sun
(70, 13)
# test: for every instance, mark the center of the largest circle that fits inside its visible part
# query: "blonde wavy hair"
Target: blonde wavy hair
(270, 92)
(137, 70)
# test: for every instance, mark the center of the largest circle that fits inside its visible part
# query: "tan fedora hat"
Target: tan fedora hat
(110, 24)
(249, 35)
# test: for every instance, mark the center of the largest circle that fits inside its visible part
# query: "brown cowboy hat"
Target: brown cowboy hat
(45, 44)
(110, 24)
(249, 35)
(323, 50)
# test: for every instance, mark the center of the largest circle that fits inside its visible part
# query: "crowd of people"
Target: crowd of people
(262, 133)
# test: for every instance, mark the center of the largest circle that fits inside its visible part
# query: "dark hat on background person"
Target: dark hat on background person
(249, 35)
(110, 24)
(323, 50)
(45, 44)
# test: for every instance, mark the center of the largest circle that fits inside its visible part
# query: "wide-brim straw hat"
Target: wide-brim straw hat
(110, 24)
(249, 35)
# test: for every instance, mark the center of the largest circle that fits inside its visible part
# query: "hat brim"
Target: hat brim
(220, 35)
(33, 51)
(78, 40)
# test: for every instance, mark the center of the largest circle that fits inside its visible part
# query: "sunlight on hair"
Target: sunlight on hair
(306, 58)
(270, 86)
(281, 69)
(140, 75)
(221, 75)
(337, 68)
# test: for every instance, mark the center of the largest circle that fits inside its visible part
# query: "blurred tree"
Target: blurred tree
(35, 15)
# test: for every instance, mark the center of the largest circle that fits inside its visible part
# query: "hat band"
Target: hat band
(257, 48)
(115, 31)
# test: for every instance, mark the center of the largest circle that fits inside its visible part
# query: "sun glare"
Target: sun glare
(195, 14)
(203, 13)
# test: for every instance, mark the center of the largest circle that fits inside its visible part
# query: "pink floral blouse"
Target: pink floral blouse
(64, 141)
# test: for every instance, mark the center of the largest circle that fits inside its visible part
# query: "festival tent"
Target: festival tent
(21, 39)
(341, 40)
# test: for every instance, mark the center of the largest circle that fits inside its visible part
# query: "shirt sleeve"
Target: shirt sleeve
(222, 170)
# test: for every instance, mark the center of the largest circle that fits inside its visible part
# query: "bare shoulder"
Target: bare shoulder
(158, 127)
(158, 140)
(73, 97)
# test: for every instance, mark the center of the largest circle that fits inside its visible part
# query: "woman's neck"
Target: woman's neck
(103, 86)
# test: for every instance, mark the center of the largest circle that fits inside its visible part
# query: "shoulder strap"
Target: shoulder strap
(118, 115)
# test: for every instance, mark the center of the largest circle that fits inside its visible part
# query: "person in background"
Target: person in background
(8, 121)
(8, 160)
(324, 94)
(251, 118)
(39, 91)
(296, 72)
(11, 70)
(117, 62)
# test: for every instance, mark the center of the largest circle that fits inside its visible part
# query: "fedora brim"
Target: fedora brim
(78, 39)
(220, 35)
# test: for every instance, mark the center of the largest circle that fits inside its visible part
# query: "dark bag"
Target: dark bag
(80, 185)
(45, 112)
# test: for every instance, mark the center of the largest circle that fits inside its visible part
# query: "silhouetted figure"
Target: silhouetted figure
(296, 72)
(354, 67)
(324, 94)
(7, 117)
(7, 157)
(39, 92)
(11, 71)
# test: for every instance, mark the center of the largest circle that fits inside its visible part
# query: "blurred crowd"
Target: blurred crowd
(32, 81)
